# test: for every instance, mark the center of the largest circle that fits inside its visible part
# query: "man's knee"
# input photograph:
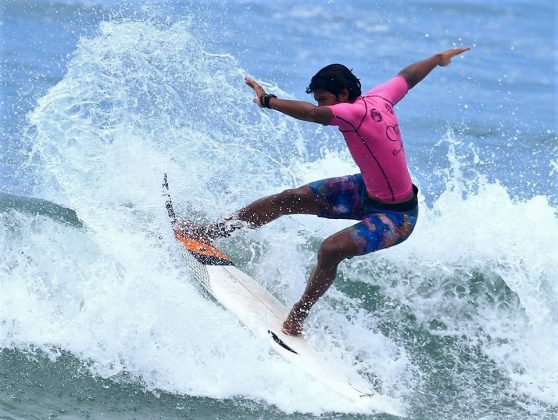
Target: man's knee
(290, 198)
(333, 251)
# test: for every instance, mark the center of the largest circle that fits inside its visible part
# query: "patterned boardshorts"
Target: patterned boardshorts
(381, 225)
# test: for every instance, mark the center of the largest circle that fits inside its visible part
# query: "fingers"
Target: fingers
(456, 51)
(257, 89)
(446, 56)
(252, 83)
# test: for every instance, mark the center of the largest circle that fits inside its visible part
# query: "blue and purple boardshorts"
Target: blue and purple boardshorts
(381, 225)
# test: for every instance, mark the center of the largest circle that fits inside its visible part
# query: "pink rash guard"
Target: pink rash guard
(371, 131)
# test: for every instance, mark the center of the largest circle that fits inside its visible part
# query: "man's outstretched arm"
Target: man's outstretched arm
(418, 71)
(300, 110)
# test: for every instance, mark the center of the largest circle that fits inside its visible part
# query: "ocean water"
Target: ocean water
(99, 317)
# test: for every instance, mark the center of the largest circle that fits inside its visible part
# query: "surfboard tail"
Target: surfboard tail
(203, 253)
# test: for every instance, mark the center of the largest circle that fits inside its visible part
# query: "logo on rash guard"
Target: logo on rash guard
(376, 115)
(393, 134)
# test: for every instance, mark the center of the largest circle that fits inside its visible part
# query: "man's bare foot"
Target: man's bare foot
(295, 320)
(197, 231)
(207, 233)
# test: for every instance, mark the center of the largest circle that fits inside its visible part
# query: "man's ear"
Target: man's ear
(343, 95)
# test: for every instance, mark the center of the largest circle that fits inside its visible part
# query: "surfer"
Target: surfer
(381, 197)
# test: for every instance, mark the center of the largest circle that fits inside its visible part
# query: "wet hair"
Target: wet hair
(335, 78)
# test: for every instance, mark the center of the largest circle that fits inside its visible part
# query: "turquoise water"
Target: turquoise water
(99, 317)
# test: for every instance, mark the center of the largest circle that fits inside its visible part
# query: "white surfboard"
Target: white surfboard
(263, 315)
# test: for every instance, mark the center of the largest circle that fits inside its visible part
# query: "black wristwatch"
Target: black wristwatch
(264, 100)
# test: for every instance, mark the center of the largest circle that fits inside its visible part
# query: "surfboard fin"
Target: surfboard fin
(280, 342)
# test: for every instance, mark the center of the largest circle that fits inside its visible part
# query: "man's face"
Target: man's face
(325, 97)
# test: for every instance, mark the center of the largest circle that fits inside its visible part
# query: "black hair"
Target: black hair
(335, 78)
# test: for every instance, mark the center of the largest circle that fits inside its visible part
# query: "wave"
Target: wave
(466, 304)
(37, 206)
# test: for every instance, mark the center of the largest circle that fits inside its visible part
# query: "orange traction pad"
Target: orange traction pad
(207, 254)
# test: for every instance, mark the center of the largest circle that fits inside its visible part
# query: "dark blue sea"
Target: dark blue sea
(99, 315)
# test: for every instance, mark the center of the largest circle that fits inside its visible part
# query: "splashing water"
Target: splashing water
(465, 310)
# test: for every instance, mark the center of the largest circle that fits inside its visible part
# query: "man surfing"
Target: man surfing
(382, 197)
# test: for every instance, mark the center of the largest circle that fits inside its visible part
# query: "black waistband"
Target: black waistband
(405, 206)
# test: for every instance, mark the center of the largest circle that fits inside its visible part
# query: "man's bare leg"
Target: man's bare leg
(333, 250)
(299, 200)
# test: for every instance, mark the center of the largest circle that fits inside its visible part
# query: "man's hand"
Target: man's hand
(419, 70)
(446, 56)
(257, 89)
